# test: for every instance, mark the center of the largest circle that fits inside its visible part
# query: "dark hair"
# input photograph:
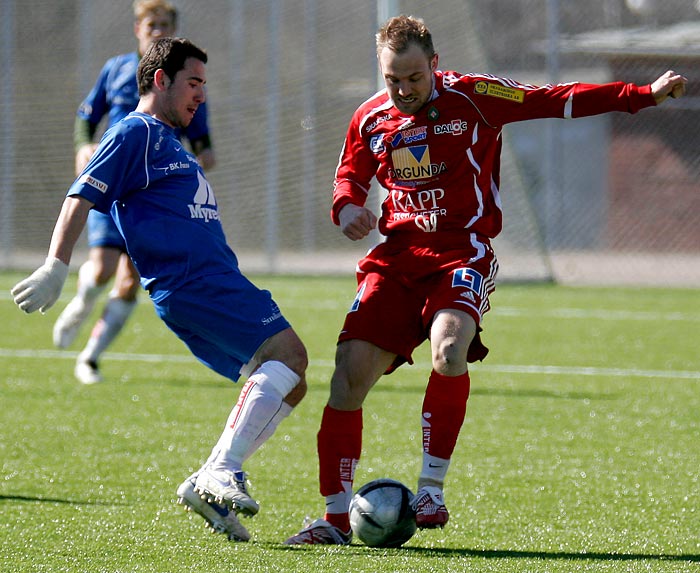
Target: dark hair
(399, 32)
(169, 55)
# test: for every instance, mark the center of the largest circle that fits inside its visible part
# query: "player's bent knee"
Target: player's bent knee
(297, 394)
(287, 348)
(278, 376)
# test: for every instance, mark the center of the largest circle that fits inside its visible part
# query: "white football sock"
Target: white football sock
(254, 418)
(116, 312)
(340, 502)
(282, 413)
(434, 471)
(88, 289)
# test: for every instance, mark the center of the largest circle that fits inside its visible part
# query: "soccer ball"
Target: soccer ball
(381, 513)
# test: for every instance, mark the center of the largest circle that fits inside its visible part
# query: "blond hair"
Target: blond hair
(399, 32)
(143, 8)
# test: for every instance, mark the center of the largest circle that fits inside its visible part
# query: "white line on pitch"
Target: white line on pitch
(496, 368)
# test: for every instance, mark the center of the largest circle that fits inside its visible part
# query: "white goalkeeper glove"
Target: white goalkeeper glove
(41, 289)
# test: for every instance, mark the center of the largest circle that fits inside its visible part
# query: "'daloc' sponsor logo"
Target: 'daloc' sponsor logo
(455, 127)
(204, 202)
(414, 163)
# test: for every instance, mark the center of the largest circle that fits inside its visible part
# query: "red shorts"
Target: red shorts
(402, 285)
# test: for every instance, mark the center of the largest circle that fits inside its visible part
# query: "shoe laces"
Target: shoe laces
(428, 495)
(240, 480)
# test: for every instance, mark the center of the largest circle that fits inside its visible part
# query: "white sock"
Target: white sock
(282, 413)
(254, 418)
(434, 471)
(116, 312)
(340, 502)
(88, 289)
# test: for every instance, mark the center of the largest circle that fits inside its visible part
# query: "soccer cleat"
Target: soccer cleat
(430, 508)
(87, 372)
(218, 517)
(320, 532)
(69, 322)
(229, 488)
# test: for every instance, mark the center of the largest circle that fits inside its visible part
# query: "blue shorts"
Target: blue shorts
(103, 232)
(223, 320)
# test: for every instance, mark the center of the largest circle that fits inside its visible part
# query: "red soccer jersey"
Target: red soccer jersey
(440, 167)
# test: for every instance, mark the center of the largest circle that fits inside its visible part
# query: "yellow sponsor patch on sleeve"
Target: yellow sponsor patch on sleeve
(497, 90)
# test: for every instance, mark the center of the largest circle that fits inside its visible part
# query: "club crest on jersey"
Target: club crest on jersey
(204, 206)
(499, 91)
(411, 163)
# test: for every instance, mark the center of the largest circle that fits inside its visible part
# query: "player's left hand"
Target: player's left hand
(41, 289)
(670, 84)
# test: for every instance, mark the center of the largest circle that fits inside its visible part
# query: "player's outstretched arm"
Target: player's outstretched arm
(42, 288)
(670, 84)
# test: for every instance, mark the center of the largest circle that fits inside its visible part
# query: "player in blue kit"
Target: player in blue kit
(114, 96)
(167, 214)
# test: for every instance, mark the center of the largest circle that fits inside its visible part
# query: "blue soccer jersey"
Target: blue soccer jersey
(161, 201)
(116, 94)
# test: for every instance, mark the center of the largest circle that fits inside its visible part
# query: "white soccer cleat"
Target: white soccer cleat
(87, 372)
(69, 322)
(218, 517)
(229, 488)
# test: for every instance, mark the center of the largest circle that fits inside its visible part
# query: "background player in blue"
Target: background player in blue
(114, 95)
(167, 213)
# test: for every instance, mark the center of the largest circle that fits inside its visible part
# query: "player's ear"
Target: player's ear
(161, 79)
(434, 63)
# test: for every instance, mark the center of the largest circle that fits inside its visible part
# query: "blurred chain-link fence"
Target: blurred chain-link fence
(611, 199)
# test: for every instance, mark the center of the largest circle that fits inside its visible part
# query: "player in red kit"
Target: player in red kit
(433, 140)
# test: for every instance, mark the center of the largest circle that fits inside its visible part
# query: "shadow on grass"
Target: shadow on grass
(39, 499)
(509, 554)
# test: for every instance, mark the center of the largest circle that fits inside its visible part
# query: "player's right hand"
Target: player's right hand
(41, 289)
(356, 222)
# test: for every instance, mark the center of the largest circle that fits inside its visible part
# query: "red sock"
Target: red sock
(339, 449)
(444, 408)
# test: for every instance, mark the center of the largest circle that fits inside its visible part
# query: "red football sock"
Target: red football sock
(339, 449)
(444, 408)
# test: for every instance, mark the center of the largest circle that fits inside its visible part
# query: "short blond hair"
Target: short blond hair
(143, 8)
(400, 32)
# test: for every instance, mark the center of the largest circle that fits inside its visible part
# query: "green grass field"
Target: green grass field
(580, 452)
